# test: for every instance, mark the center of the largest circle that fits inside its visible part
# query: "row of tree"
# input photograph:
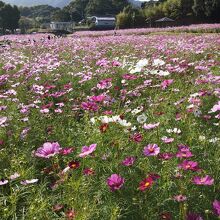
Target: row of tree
(80, 9)
(182, 11)
(9, 17)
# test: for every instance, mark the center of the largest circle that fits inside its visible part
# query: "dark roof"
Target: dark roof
(165, 19)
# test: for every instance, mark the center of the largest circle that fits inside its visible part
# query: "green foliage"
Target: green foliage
(9, 17)
(25, 24)
(130, 17)
(208, 8)
(181, 9)
(42, 12)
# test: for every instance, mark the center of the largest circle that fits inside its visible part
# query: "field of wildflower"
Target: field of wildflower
(110, 127)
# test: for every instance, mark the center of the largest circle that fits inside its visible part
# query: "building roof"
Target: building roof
(165, 19)
(60, 22)
(103, 18)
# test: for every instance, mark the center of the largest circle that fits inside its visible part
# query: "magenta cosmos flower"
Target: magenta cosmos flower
(207, 180)
(128, 161)
(115, 182)
(216, 207)
(184, 152)
(189, 165)
(151, 150)
(48, 150)
(90, 106)
(87, 150)
(193, 216)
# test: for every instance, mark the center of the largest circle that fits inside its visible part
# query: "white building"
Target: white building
(61, 26)
(103, 22)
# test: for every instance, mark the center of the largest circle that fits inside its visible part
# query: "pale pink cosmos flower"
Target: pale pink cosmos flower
(151, 126)
(151, 150)
(167, 140)
(3, 182)
(14, 176)
(48, 150)
(3, 120)
(87, 150)
(216, 107)
(27, 182)
(180, 198)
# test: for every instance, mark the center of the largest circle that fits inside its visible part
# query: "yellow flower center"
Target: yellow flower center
(146, 184)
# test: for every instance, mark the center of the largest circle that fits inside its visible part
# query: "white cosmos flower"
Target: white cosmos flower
(136, 110)
(92, 120)
(175, 130)
(139, 66)
(124, 123)
(158, 62)
(142, 63)
(214, 140)
(202, 138)
(163, 73)
(141, 118)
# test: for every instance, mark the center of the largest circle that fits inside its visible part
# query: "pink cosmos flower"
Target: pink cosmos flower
(90, 106)
(137, 137)
(151, 126)
(165, 156)
(88, 172)
(48, 150)
(166, 83)
(216, 107)
(146, 183)
(193, 216)
(116, 63)
(167, 140)
(14, 176)
(128, 161)
(105, 84)
(87, 150)
(216, 207)
(183, 152)
(180, 198)
(207, 180)
(66, 151)
(108, 112)
(189, 165)
(115, 182)
(151, 150)
(129, 76)
(98, 98)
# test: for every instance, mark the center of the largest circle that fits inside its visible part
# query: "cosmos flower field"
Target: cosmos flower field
(110, 127)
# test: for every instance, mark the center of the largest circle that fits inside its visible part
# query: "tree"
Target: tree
(130, 18)
(9, 17)
(99, 7)
(25, 24)
(61, 15)
(186, 7)
(207, 9)
(199, 8)
(105, 7)
(77, 9)
(172, 8)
